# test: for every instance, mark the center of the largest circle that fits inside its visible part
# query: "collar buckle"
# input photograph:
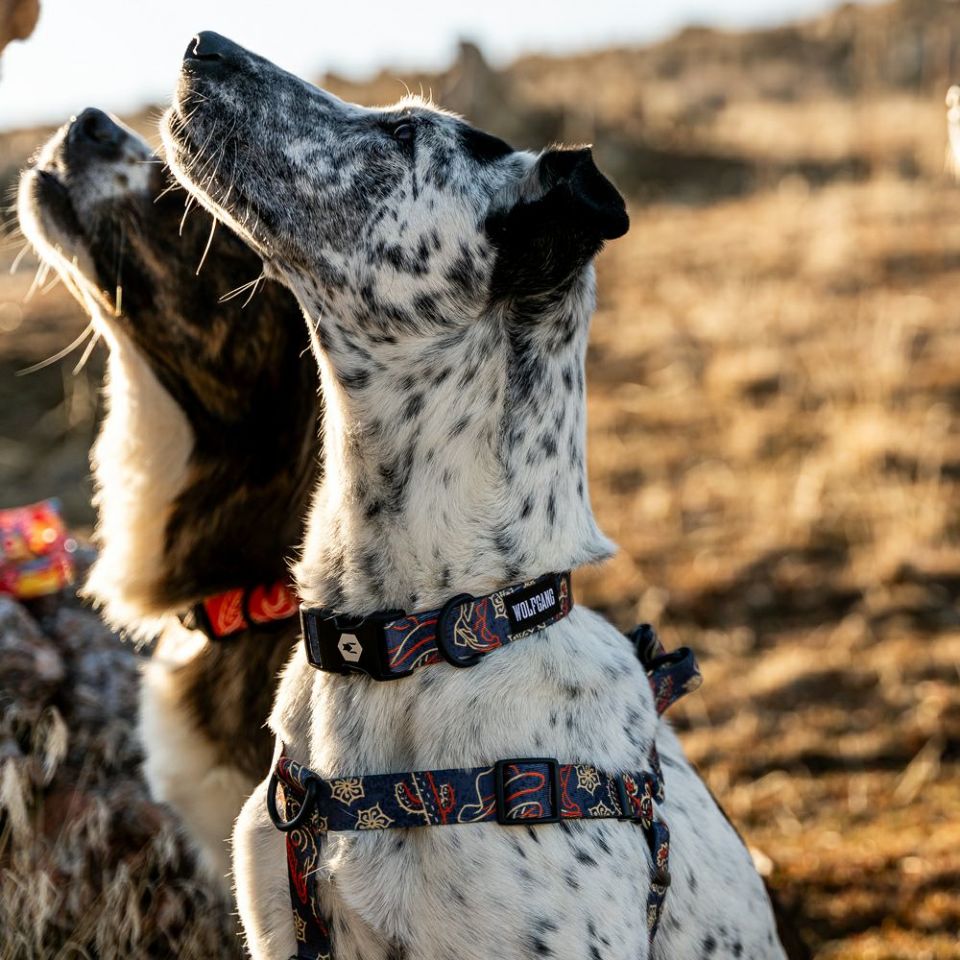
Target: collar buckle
(345, 644)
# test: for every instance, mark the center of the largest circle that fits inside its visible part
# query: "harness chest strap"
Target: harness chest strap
(516, 792)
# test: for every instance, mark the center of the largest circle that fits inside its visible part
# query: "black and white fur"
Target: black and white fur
(448, 287)
(203, 462)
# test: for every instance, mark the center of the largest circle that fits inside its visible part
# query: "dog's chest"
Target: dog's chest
(574, 692)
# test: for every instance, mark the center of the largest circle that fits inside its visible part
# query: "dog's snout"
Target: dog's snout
(211, 48)
(95, 131)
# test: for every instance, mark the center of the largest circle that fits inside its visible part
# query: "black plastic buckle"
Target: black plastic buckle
(195, 618)
(645, 642)
(499, 785)
(625, 803)
(441, 636)
(344, 644)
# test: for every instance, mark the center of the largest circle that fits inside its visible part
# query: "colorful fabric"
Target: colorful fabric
(393, 644)
(506, 792)
(229, 612)
(671, 675)
(35, 551)
(522, 792)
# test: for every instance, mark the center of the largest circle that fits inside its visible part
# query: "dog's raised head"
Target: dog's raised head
(210, 411)
(399, 204)
(448, 281)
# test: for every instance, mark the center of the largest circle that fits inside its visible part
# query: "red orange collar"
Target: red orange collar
(242, 608)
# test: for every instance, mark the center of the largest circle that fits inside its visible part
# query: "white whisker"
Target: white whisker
(206, 249)
(253, 291)
(19, 257)
(165, 191)
(243, 287)
(85, 356)
(38, 279)
(186, 209)
(59, 355)
(56, 279)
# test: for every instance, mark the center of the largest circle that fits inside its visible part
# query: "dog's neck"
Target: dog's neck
(178, 518)
(454, 462)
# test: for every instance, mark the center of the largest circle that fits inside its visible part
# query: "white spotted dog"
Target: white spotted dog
(203, 464)
(448, 284)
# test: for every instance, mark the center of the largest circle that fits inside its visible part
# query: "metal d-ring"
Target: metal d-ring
(445, 652)
(306, 805)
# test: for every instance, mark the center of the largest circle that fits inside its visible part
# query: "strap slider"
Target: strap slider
(627, 809)
(501, 797)
(661, 877)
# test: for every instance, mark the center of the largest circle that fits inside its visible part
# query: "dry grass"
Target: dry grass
(774, 442)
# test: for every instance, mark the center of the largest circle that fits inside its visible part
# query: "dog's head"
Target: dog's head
(231, 434)
(94, 204)
(405, 215)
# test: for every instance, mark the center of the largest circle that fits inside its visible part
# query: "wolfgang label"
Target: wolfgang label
(534, 606)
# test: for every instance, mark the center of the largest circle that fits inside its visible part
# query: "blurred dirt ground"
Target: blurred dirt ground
(774, 388)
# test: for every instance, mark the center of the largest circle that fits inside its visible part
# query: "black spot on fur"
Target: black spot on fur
(413, 406)
(355, 379)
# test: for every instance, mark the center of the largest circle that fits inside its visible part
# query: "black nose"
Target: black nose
(210, 47)
(95, 131)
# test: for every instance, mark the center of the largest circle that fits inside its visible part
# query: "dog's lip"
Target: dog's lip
(51, 199)
(52, 185)
(48, 177)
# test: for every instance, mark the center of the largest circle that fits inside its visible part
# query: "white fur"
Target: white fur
(140, 464)
(262, 889)
(179, 767)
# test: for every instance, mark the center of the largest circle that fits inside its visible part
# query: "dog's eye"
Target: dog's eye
(404, 132)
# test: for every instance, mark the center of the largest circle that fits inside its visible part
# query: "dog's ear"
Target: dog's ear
(566, 210)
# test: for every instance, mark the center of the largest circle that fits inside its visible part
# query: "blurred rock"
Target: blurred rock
(88, 862)
(31, 667)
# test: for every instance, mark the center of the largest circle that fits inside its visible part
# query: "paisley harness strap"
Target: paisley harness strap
(514, 792)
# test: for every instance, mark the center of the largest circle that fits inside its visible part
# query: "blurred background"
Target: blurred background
(774, 383)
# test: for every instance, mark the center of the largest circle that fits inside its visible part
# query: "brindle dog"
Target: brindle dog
(203, 463)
